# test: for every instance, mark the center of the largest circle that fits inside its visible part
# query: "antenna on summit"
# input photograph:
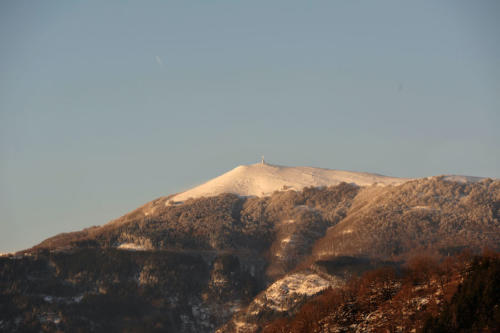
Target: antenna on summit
(262, 161)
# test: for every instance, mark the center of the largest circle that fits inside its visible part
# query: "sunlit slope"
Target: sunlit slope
(262, 179)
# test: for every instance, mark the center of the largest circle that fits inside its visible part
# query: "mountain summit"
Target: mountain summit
(262, 179)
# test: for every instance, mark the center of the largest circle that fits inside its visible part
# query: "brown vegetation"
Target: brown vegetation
(448, 296)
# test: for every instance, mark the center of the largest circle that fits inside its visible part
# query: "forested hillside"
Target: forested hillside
(244, 263)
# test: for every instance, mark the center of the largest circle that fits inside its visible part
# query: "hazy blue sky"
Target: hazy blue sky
(105, 106)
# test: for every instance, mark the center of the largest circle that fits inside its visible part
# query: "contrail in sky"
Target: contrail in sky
(159, 61)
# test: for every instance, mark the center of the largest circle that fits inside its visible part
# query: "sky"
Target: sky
(105, 106)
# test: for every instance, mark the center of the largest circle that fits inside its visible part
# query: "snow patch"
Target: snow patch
(132, 247)
(301, 284)
(263, 179)
(421, 207)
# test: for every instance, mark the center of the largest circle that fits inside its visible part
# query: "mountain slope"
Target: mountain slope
(418, 215)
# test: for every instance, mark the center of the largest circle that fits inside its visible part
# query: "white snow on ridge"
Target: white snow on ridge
(262, 179)
(462, 179)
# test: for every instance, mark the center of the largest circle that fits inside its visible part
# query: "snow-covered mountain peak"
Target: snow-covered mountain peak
(262, 179)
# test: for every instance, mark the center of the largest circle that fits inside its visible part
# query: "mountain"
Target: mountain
(242, 250)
